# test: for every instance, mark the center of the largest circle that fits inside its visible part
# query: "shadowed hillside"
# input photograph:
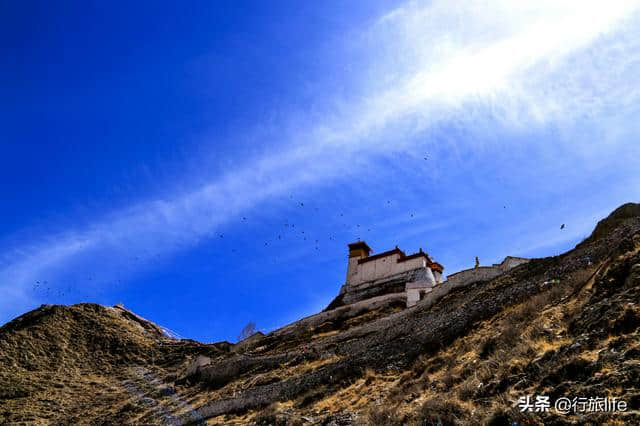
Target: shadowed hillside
(563, 326)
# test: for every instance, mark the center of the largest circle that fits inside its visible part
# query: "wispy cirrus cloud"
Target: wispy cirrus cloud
(521, 63)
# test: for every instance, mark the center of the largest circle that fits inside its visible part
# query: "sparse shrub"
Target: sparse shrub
(268, 417)
(557, 292)
(486, 371)
(529, 309)
(449, 379)
(450, 362)
(129, 407)
(296, 421)
(627, 323)
(526, 350)
(505, 413)
(569, 313)
(396, 395)
(418, 367)
(438, 411)
(435, 364)
(499, 418)
(383, 416)
(576, 369)
(312, 396)
(369, 376)
(467, 390)
(488, 347)
(247, 331)
(465, 345)
(468, 370)
(509, 336)
(536, 331)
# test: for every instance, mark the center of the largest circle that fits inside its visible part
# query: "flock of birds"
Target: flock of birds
(288, 230)
(49, 290)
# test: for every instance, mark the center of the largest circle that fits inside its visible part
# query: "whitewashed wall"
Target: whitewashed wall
(380, 268)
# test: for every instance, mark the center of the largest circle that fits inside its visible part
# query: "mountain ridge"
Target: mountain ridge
(461, 360)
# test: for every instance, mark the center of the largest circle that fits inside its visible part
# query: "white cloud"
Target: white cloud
(428, 64)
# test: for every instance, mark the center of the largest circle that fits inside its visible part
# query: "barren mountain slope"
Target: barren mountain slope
(558, 326)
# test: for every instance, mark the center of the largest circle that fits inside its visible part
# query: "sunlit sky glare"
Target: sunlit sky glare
(206, 163)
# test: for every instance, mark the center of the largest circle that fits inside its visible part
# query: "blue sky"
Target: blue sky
(206, 163)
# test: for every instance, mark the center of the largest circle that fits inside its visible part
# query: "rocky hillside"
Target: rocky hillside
(564, 326)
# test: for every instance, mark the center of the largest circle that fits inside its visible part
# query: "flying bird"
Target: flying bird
(562, 226)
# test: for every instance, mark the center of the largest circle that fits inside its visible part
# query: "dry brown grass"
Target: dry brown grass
(449, 387)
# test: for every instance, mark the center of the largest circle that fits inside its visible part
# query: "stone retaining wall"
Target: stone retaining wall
(481, 273)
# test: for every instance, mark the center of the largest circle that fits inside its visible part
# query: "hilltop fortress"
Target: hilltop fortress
(394, 274)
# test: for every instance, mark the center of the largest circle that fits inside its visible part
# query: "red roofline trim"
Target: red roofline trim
(403, 258)
(381, 255)
(435, 266)
(415, 255)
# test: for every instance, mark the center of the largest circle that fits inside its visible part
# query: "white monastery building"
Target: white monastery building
(363, 267)
(386, 273)
(395, 275)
